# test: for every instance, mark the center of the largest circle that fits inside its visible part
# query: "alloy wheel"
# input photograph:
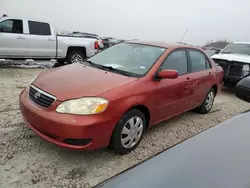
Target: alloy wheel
(76, 58)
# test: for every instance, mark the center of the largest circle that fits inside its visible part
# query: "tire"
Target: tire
(119, 141)
(77, 55)
(204, 108)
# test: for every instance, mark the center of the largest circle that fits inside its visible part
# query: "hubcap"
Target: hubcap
(209, 101)
(132, 132)
(76, 58)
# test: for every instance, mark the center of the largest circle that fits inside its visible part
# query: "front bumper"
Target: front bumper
(94, 131)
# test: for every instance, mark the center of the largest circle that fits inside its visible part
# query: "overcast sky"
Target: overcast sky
(164, 20)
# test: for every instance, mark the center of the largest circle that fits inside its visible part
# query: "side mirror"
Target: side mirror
(242, 89)
(170, 74)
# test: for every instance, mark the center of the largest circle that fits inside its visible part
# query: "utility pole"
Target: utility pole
(183, 36)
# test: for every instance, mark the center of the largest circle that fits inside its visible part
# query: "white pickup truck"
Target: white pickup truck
(235, 61)
(32, 39)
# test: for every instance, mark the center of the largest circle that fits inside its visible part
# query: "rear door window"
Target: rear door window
(39, 28)
(199, 61)
(177, 60)
(11, 26)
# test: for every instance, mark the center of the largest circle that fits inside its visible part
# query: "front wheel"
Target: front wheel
(208, 102)
(128, 132)
(75, 57)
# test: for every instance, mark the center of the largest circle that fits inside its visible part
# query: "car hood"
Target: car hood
(233, 57)
(78, 80)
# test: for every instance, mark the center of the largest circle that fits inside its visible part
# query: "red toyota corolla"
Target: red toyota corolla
(116, 95)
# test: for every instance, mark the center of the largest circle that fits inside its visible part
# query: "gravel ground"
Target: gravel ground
(27, 161)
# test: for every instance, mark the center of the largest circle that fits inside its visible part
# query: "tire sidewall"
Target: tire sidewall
(116, 144)
(71, 54)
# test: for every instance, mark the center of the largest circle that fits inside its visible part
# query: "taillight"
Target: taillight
(96, 45)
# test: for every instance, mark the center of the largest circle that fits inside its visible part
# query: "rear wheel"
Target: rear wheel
(208, 102)
(128, 132)
(75, 57)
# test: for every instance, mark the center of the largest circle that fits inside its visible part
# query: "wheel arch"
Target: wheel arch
(82, 49)
(144, 109)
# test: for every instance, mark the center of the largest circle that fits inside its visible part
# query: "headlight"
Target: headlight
(83, 106)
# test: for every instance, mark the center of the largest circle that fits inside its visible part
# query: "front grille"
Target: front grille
(235, 70)
(40, 97)
(225, 67)
(78, 142)
(231, 68)
(47, 134)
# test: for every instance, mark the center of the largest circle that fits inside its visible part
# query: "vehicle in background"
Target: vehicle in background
(242, 89)
(32, 39)
(235, 61)
(211, 51)
(217, 157)
(109, 41)
(118, 94)
(221, 44)
(91, 36)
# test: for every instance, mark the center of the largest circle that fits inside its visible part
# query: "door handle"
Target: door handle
(20, 37)
(50, 39)
(209, 73)
(188, 78)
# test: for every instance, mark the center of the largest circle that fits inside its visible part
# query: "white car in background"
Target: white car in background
(33, 39)
(235, 61)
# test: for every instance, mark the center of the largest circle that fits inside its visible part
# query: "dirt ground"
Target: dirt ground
(28, 161)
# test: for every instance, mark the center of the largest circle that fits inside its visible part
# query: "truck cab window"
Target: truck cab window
(39, 28)
(11, 26)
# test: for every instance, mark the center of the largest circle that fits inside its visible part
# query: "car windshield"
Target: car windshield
(237, 48)
(132, 58)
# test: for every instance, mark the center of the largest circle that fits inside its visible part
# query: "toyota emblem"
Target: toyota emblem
(37, 95)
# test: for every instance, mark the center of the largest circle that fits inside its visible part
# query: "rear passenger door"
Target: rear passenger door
(41, 40)
(201, 76)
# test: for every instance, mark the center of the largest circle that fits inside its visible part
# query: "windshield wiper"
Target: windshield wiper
(109, 68)
(94, 64)
(112, 69)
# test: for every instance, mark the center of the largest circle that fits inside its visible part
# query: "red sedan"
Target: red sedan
(115, 96)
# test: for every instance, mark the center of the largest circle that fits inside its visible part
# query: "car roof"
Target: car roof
(217, 157)
(21, 18)
(160, 44)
